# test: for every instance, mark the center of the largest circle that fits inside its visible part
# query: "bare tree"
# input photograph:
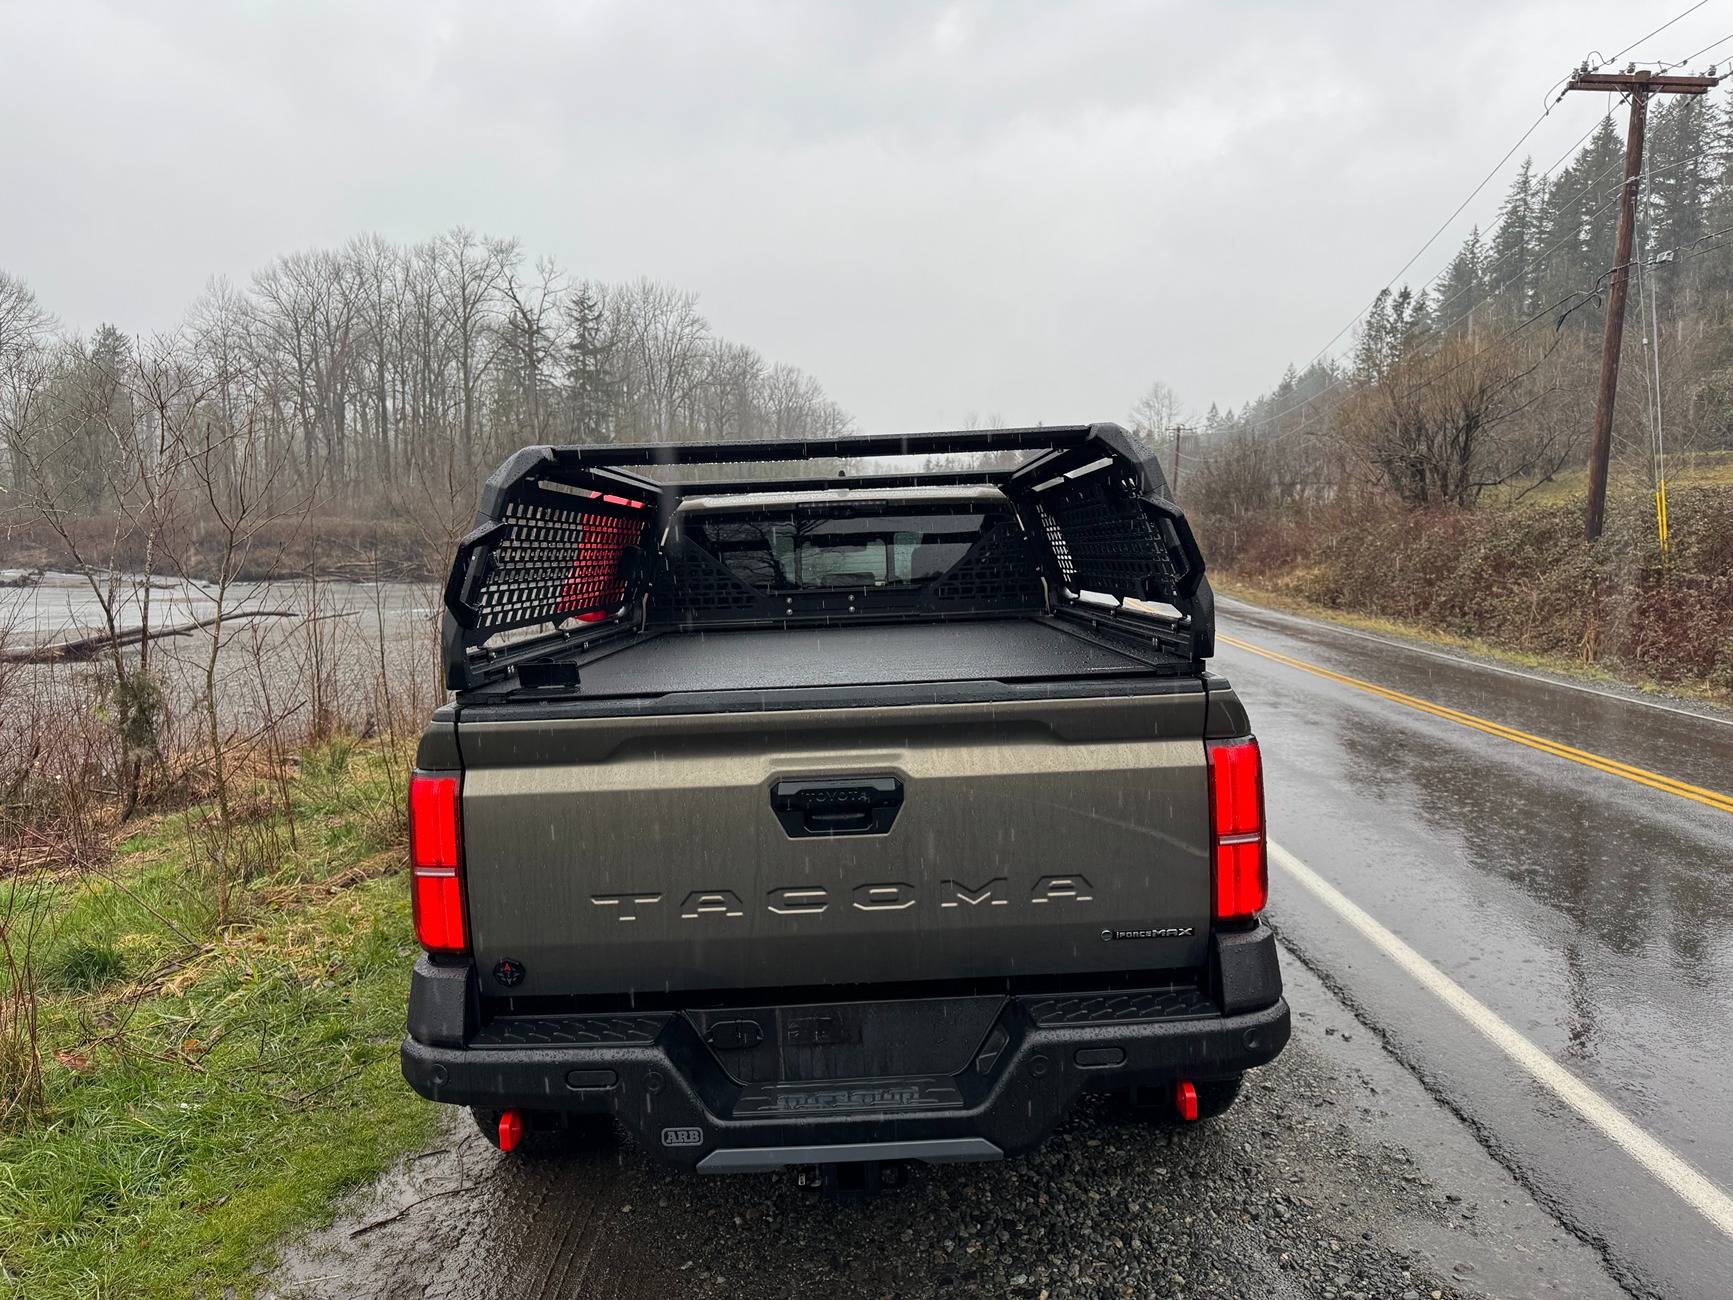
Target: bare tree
(530, 340)
(1431, 424)
(25, 364)
(383, 367)
(235, 472)
(472, 273)
(1156, 412)
(732, 389)
(119, 424)
(309, 306)
(664, 334)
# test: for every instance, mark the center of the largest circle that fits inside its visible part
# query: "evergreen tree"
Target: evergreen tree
(1579, 218)
(1510, 271)
(1372, 354)
(1602, 165)
(1677, 165)
(1410, 322)
(1464, 284)
(1550, 253)
(1675, 205)
(591, 385)
(91, 412)
(1712, 266)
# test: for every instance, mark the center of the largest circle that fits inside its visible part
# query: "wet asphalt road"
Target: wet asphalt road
(1391, 1151)
(1589, 911)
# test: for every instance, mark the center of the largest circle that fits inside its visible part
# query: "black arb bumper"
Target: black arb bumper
(955, 1077)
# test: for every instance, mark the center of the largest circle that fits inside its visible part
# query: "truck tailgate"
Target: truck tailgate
(794, 848)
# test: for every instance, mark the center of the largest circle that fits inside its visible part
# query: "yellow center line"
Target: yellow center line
(1642, 776)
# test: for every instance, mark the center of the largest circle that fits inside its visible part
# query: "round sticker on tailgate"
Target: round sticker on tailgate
(682, 1137)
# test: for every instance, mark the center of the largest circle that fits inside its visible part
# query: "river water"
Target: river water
(340, 650)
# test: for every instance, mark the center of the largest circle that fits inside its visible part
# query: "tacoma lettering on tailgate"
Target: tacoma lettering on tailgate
(884, 896)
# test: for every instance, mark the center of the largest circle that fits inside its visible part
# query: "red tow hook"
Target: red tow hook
(511, 1128)
(1184, 1100)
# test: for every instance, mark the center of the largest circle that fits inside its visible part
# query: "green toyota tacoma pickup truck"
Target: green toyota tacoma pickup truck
(844, 802)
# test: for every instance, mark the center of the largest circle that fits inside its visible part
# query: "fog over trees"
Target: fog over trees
(1486, 376)
(344, 376)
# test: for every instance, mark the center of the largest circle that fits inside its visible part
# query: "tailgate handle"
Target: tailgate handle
(836, 805)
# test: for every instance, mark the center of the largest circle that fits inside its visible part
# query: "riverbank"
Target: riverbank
(334, 547)
(218, 1060)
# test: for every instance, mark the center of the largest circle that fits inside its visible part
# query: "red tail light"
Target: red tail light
(436, 862)
(1237, 810)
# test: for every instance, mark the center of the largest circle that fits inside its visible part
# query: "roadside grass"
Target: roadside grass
(209, 1089)
(1276, 597)
(1690, 469)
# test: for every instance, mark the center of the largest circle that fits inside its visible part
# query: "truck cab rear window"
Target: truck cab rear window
(802, 551)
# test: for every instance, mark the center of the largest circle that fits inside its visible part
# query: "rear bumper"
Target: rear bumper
(657, 1073)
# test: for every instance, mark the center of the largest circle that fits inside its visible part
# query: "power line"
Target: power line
(1557, 244)
(1583, 295)
(1681, 252)
(1433, 238)
(1663, 27)
(1551, 248)
(1685, 252)
(1512, 331)
(1583, 193)
(1652, 359)
(1442, 272)
(1581, 140)
(1641, 87)
(1337, 381)
(1533, 126)
(1580, 194)
(1711, 45)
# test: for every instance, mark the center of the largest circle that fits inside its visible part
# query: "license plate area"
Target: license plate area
(826, 1042)
(786, 1100)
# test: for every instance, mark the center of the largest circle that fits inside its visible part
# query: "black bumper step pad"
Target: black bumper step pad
(569, 1031)
(1175, 1002)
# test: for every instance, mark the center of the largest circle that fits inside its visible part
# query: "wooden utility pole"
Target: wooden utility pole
(1639, 86)
(1173, 479)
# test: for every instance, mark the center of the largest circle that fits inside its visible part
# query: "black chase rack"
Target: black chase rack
(568, 540)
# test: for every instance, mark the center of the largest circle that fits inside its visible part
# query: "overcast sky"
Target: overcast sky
(1024, 211)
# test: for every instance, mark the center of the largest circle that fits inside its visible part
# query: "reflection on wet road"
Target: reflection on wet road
(1590, 911)
(1599, 762)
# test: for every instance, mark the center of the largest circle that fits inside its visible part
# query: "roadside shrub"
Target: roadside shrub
(1522, 577)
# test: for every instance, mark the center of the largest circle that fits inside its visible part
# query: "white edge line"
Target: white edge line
(1689, 1185)
(1462, 661)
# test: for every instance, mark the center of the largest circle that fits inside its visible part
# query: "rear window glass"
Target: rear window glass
(793, 551)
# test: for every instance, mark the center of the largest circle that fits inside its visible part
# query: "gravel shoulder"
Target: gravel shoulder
(1334, 1176)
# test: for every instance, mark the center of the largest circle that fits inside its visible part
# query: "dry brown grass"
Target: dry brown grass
(1520, 579)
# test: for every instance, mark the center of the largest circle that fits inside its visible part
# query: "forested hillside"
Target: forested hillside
(363, 381)
(1429, 467)
(1484, 377)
